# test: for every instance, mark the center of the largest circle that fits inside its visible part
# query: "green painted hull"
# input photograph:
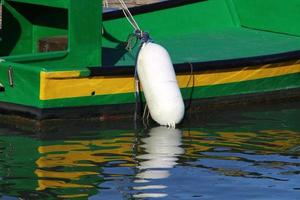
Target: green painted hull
(221, 50)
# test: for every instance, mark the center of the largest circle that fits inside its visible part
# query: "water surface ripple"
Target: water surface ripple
(242, 154)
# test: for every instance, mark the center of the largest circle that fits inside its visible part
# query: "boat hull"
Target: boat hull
(77, 93)
(62, 66)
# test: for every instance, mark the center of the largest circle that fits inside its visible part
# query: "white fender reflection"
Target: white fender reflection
(162, 148)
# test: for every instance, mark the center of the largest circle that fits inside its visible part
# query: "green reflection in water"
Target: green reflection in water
(59, 168)
(91, 162)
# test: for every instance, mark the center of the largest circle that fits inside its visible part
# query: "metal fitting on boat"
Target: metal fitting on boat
(10, 76)
(143, 36)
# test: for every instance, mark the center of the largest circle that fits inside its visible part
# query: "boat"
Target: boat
(68, 59)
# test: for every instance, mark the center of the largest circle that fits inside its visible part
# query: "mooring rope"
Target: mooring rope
(130, 45)
(191, 78)
(131, 42)
(1, 4)
(146, 115)
(105, 3)
(129, 16)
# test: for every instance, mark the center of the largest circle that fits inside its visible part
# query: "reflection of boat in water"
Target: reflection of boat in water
(62, 65)
(66, 169)
(259, 144)
(161, 150)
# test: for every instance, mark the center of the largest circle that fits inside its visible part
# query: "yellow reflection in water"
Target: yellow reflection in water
(44, 184)
(66, 165)
(63, 175)
(72, 153)
(71, 196)
(264, 141)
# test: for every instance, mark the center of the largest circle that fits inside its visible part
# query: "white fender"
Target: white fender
(158, 79)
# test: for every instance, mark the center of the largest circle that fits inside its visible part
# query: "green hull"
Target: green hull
(222, 50)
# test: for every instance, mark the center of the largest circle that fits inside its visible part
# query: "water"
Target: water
(248, 153)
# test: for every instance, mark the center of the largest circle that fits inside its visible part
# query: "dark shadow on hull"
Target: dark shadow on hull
(58, 119)
(9, 34)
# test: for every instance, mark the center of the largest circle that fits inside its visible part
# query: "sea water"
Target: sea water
(244, 153)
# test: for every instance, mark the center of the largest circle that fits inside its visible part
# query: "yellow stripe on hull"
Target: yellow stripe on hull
(69, 84)
(241, 74)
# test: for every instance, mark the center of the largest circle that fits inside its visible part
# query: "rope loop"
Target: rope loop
(131, 42)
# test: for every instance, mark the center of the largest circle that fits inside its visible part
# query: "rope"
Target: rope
(146, 115)
(137, 98)
(191, 78)
(1, 3)
(137, 88)
(131, 43)
(105, 3)
(129, 16)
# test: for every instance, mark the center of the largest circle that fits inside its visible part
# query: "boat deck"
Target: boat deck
(225, 44)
